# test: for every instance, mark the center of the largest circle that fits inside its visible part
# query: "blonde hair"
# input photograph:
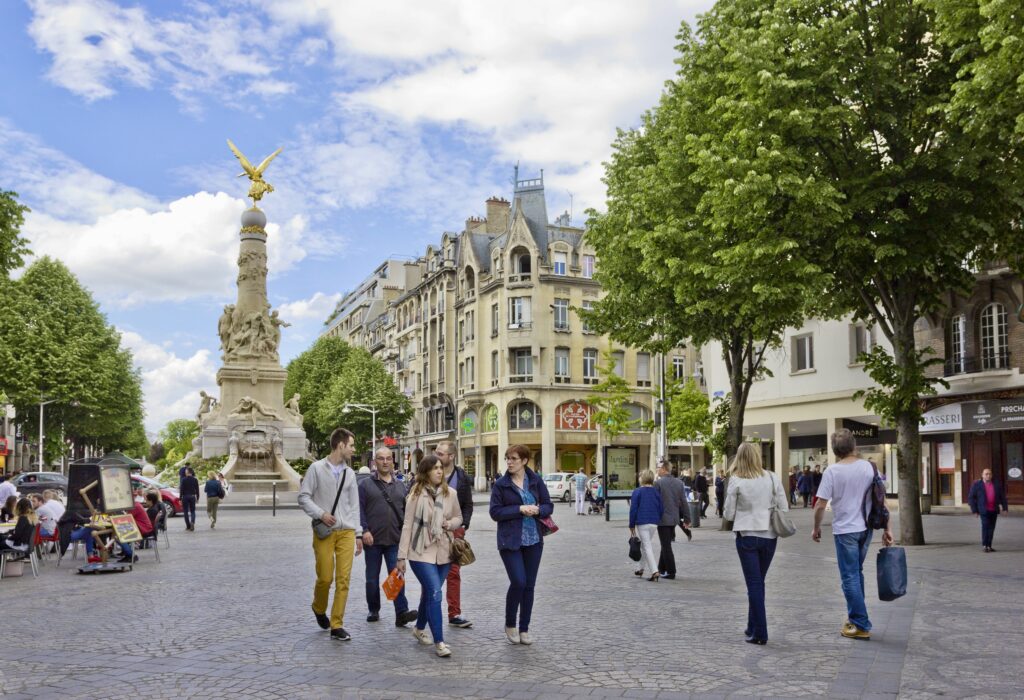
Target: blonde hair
(646, 478)
(747, 462)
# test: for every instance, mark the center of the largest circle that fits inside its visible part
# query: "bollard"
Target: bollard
(274, 505)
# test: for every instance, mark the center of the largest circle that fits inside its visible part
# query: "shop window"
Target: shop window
(524, 415)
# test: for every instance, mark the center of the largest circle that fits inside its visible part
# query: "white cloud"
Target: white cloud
(170, 383)
(317, 307)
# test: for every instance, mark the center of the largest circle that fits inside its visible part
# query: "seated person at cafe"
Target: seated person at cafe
(7, 512)
(153, 506)
(83, 533)
(21, 538)
(49, 511)
(145, 526)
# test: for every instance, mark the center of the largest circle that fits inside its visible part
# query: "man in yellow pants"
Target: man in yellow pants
(330, 494)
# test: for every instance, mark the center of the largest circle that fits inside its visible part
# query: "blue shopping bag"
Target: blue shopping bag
(892, 572)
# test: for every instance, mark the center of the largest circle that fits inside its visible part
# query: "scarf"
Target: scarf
(426, 522)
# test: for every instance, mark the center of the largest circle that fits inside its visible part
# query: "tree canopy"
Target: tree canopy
(311, 375)
(13, 247)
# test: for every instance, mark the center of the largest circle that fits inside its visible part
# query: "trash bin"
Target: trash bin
(694, 507)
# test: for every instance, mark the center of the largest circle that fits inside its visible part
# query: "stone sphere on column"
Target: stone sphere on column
(254, 217)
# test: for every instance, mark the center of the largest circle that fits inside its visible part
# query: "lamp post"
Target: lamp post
(42, 402)
(373, 415)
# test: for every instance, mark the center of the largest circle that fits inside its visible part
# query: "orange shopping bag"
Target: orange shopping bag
(393, 584)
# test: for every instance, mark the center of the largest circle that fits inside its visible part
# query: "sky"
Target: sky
(398, 120)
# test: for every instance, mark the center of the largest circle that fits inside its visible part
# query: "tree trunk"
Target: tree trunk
(908, 444)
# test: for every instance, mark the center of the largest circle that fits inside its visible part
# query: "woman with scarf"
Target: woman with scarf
(431, 513)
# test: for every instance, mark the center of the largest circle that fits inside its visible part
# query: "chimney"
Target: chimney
(498, 213)
(476, 224)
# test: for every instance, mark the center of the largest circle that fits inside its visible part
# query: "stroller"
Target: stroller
(595, 506)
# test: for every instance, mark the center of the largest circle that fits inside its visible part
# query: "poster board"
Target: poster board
(125, 528)
(620, 467)
(946, 461)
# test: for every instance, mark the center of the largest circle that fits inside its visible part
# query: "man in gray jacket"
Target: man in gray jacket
(673, 503)
(319, 497)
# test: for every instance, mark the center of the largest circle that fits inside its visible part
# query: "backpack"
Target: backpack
(878, 515)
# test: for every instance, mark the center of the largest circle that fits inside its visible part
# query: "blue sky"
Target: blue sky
(397, 120)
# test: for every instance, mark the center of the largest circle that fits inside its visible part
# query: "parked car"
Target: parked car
(559, 487)
(168, 495)
(37, 482)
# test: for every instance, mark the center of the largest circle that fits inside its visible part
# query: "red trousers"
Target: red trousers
(454, 580)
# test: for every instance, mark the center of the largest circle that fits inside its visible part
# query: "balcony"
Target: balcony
(590, 380)
(521, 326)
(520, 379)
(992, 362)
(519, 278)
(562, 379)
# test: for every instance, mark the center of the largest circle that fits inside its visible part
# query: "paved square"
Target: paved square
(226, 615)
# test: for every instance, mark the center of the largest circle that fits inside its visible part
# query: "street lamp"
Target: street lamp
(42, 402)
(373, 413)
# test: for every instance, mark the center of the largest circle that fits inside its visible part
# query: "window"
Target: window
(519, 315)
(587, 306)
(590, 366)
(619, 360)
(561, 365)
(678, 367)
(588, 266)
(524, 415)
(643, 369)
(470, 325)
(559, 263)
(440, 372)
(860, 341)
(638, 415)
(462, 331)
(956, 355)
(469, 380)
(522, 365)
(520, 266)
(994, 353)
(494, 368)
(802, 358)
(561, 309)
(494, 320)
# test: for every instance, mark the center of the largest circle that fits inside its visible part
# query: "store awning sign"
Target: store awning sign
(994, 415)
(860, 430)
(943, 419)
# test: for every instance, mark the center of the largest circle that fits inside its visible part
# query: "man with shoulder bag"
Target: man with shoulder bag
(329, 495)
(382, 508)
(457, 479)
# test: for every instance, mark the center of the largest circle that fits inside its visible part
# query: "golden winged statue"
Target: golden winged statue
(259, 186)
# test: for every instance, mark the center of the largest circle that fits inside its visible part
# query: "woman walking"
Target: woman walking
(519, 499)
(431, 513)
(645, 509)
(748, 503)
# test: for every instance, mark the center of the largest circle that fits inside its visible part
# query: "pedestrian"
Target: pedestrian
(214, 493)
(580, 482)
(645, 511)
(189, 492)
(329, 495)
(985, 498)
(673, 503)
(431, 515)
(224, 484)
(748, 503)
(815, 484)
(793, 478)
(700, 484)
(805, 485)
(844, 486)
(457, 479)
(719, 494)
(518, 499)
(7, 491)
(382, 509)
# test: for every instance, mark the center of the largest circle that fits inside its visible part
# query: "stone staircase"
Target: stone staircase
(257, 476)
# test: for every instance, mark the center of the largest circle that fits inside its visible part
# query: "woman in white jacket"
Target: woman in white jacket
(748, 503)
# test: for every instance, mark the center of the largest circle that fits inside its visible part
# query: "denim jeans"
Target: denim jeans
(83, 534)
(375, 554)
(851, 550)
(522, 566)
(188, 509)
(755, 555)
(988, 527)
(431, 578)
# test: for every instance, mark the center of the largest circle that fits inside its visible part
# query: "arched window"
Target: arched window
(468, 425)
(469, 284)
(524, 415)
(490, 418)
(994, 351)
(520, 265)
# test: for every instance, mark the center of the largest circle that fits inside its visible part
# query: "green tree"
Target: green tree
(311, 374)
(611, 398)
(13, 248)
(363, 379)
(861, 98)
(689, 415)
(177, 437)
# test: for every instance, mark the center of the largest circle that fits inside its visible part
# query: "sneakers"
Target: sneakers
(459, 622)
(93, 559)
(422, 635)
(405, 617)
(372, 617)
(524, 638)
(322, 620)
(213, 524)
(341, 635)
(442, 649)
(512, 634)
(852, 631)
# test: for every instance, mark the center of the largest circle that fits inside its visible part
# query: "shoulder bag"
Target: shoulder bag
(320, 528)
(780, 524)
(394, 509)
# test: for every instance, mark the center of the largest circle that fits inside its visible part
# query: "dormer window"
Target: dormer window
(560, 261)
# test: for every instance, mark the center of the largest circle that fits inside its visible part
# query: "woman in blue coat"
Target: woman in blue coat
(519, 499)
(645, 511)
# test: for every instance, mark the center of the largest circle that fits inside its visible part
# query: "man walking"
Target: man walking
(986, 496)
(458, 480)
(701, 486)
(845, 485)
(673, 503)
(580, 482)
(189, 492)
(382, 509)
(329, 494)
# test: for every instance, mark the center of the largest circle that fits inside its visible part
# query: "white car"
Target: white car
(559, 486)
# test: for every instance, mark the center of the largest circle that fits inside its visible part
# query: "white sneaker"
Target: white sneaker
(422, 635)
(512, 634)
(442, 649)
(524, 638)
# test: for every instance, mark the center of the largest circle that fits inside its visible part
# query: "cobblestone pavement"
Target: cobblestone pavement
(226, 615)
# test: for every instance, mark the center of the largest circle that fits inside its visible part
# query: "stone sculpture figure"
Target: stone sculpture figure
(249, 407)
(205, 404)
(225, 327)
(275, 331)
(292, 406)
(233, 442)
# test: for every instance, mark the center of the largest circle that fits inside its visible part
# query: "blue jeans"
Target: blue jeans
(755, 557)
(522, 566)
(83, 534)
(988, 527)
(375, 553)
(431, 578)
(851, 550)
(188, 507)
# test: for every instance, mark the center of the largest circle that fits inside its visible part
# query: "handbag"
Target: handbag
(321, 529)
(547, 526)
(393, 584)
(780, 524)
(634, 548)
(891, 564)
(461, 551)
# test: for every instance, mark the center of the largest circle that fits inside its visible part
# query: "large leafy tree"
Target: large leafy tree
(311, 374)
(13, 247)
(176, 439)
(689, 415)
(861, 96)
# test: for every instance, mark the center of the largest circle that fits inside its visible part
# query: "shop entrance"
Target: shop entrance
(1002, 451)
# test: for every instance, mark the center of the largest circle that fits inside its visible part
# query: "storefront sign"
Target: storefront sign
(860, 430)
(942, 419)
(573, 415)
(993, 415)
(469, 422)
(491, 419)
